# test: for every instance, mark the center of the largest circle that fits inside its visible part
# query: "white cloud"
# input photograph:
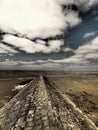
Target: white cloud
(96, 18)
(84, 53)
(4, 49)
(81, 56)
(88, 35)
(91, 56)
(55, 45)
(32, 47)
(43, 19)
(30, 65)
(85, 5)
(48, 65)
(67, 49)
(93, 2)
(35, 18)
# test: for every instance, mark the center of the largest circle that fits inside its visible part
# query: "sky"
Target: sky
(49, 35)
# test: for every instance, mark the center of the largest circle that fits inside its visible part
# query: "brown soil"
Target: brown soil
(82, 90)
(6, 87)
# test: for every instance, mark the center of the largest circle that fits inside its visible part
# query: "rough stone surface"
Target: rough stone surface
(41, 106)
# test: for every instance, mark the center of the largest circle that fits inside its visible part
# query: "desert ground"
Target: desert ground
(7, 86)
(82, 89)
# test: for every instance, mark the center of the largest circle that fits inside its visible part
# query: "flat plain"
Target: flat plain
(82, 89)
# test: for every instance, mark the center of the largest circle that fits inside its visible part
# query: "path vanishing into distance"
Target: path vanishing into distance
(40, 105)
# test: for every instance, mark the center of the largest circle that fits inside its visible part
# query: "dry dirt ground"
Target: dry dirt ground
(6, 87)
(40, 105)
(82, 90)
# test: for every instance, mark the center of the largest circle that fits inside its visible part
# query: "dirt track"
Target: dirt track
(41, 106)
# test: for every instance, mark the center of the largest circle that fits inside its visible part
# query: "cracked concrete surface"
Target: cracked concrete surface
(41, 106)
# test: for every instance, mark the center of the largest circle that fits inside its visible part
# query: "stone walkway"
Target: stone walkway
(41, 106)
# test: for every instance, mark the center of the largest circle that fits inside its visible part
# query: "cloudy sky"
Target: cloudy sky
(49, 34)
